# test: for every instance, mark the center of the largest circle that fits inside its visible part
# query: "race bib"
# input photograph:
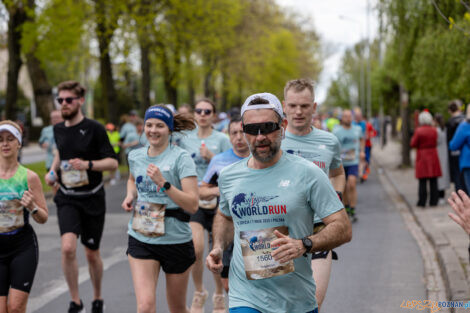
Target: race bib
(11, 215)
(149, 219)
(256, 251)
(208, 204)
(72, 178)
(349, 155)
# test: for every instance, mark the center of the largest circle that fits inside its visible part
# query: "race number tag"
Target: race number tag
(11, 215)
(256, 251)
(72, 178)
(149, 219)
(208, 204)
(349, 155)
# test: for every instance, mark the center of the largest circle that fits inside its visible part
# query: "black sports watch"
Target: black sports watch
(307, 245)
(166, 186)
(90, 165)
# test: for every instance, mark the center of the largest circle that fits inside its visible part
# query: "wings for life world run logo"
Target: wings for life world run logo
(145, 184)
(244, 205)
(311, 156)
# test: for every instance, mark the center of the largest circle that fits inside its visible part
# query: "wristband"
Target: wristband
(90, 165)
(34, 211)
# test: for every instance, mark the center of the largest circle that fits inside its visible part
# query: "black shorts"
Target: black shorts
(83, 216)
(19, 256)
(205, 217)
(226, 259)
(322, 254)
(174, 258)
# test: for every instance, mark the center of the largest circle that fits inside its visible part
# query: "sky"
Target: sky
(340, 24)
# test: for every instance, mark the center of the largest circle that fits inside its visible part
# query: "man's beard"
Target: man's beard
(71, 114)
(273, 150)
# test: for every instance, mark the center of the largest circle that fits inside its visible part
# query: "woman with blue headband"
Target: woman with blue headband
(161, 192)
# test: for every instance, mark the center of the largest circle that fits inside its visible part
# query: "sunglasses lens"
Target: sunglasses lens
(69, 100)
(206, 111)
(260, 128)
(60, 100)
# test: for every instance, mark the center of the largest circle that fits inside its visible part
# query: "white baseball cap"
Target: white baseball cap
(273, 103)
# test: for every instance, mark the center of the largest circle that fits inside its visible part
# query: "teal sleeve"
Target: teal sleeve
(186, 166)
(42, 138)
(223, 201)
(336, 160)
(321, 196)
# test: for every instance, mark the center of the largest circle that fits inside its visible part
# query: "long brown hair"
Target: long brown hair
(183, 122)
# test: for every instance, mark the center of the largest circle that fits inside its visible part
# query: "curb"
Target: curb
(455, 282)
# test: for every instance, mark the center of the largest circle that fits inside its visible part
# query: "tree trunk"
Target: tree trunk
(145, 68)
(405, 127)
(190, 77)
(41, 87)
(105, 34)
(17, 18)
(210, 66)
(170, 91)
(224, 99)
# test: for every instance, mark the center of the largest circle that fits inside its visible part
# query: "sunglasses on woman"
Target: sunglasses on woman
(256, 129)
(206, 111)
(67, 100)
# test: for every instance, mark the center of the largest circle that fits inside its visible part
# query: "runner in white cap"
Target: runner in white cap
(267, 204)
(317, 146)
(21, 197)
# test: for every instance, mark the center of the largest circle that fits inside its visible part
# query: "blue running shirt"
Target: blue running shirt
(175, 164)
(285, 194)
(217, 163)
(319, 146)
(217, 142)
(349, 138)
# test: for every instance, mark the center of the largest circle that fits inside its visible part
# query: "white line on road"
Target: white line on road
(60, 286)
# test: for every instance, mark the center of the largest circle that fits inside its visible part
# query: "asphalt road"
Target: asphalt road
(375, 272)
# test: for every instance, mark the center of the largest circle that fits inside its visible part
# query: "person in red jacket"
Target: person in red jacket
(427, 167)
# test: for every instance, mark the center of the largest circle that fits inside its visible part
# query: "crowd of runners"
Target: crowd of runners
(272, 184)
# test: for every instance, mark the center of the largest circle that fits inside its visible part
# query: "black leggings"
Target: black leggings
(18, 260)
(423, 194)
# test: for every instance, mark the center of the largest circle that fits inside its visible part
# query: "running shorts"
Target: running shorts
(19, 256)
(352, 170)
(83, 216)
(174, 258)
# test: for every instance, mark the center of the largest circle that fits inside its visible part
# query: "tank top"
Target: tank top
(13, 216)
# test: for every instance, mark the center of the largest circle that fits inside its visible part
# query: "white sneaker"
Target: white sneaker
(199, 298)
(218, 301)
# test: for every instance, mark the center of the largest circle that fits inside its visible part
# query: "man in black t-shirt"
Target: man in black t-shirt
(84, 152)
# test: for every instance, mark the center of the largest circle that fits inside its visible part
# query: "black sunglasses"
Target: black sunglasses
(261, 128)
(68, 100)
(206, 111)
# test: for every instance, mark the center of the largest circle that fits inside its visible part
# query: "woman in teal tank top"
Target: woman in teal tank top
(163, 180)
(21, 196)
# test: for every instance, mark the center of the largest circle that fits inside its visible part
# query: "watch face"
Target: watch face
(166, 185)
(307, 243)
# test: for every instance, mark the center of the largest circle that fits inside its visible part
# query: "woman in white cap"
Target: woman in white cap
(21, 197)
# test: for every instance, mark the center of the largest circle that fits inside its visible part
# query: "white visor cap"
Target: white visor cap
(12, 130)
(274, 103)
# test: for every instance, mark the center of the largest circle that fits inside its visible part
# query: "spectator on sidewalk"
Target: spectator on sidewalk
(427, 167)
(443, 182)
(461, 141)
(456, 118)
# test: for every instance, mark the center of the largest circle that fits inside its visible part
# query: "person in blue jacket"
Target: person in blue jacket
(461, 141)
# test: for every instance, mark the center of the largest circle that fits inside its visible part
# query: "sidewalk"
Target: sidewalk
(449, 240)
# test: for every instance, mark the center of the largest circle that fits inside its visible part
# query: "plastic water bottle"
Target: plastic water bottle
(52, 176)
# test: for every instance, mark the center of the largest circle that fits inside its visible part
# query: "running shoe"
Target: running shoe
(97, 306)
(76, 308)
(199, 298)
(218, 301)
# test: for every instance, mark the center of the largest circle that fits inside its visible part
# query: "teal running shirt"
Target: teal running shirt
(287, 195)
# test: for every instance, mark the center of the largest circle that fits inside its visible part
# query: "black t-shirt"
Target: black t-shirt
(88, 141)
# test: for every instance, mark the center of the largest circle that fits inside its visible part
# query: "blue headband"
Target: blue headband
(161, 113)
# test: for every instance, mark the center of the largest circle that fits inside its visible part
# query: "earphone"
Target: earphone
(283, 133)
